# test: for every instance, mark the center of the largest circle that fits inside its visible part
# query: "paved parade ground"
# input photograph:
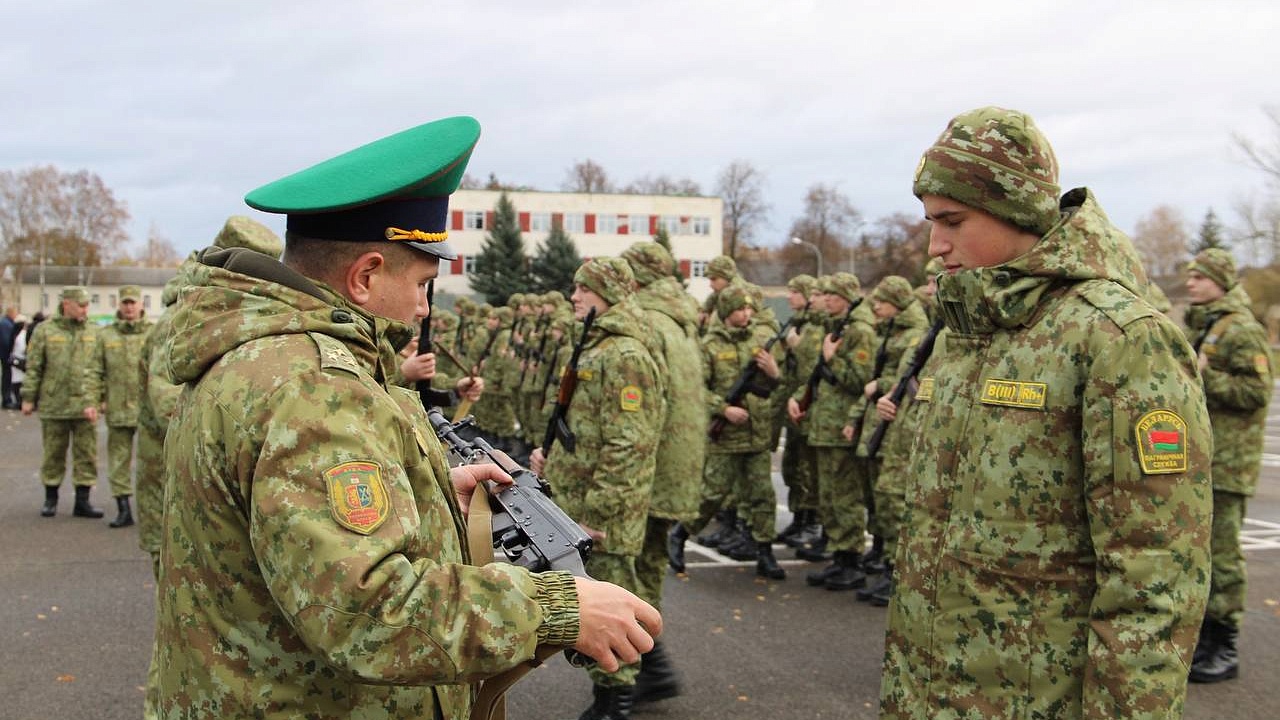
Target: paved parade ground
(76, 611)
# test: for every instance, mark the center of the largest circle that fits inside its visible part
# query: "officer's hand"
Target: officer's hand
(91, 413)
(419, 367)
(465, 477)
(793, 338)
(536, 461)
(767, 364)
(470, 388)
(28, 407)
(886, 409)
(847, 432)
(614, 626)
(736, 415)
(1203, 361)
(871, 389)
(793, 410)
(829, 346)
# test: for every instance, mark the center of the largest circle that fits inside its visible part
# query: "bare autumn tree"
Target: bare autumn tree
(1162, 239)
(829, 222)
(158, 251)
(69, 218)
(663, 185)
(1260, 216)
(587, 177)
(895, 245)
(741, 187)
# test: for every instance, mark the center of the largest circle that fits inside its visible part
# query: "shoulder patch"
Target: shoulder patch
(1162, 442)
(333, 354)
(357, 495)
(861, 356)
(1114, 300)
(630, 398)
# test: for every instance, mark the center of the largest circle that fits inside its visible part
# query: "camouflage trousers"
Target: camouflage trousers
(1227, 588)
(800, 472)
(651, 565)
(149, 487)
(842, 493)
(120, 458)
(82, 437)
(619, 570)
(740, 480)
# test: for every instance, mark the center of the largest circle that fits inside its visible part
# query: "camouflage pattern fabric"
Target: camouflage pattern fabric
(799, 460)
(313, 556)
(114, 378)
(1228, 586)
(1055, 561)
(851, 367)
(82, 438)
(59, 359)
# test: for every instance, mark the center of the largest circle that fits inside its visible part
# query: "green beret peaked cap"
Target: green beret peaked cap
(396, 189)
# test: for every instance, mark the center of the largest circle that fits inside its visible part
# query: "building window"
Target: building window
(697, 268)
(94, 299)
(540, 222)
(473, 220)
(670, 223)
(468, 264)
(607, 224)
(146, 302)
(638, 225)
(575, 223)
(111, 298)
(702, 226)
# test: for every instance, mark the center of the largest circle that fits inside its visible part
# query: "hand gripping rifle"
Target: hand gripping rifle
(820, 370)
(882, 359)
(923, 351)
(749, 381)
(557, 427)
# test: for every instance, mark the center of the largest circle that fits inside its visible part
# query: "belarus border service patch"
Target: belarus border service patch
(630, 398)
(357, 495)
(1162, 443)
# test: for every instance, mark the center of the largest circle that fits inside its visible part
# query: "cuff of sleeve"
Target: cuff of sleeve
(557, 597)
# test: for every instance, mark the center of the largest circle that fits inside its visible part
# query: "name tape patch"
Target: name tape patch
(1014, 393)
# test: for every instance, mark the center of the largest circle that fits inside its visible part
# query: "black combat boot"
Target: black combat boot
(815, 551)
(83, 508)
(124, 514)
(658, 679)
(818, 578)
(882, 591)
(742, 546)
(610, 703)
(796, 525)
(675, 546)
(721, 531)
(50, 501)
(873, 559)
(850, 575)
(809, 534)
(766, 564)
(1204, 644)
(1220, 662)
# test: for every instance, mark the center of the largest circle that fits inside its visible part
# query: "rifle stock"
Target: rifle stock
(922, 353)
(557, 426)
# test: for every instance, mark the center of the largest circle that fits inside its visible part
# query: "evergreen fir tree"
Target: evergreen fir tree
(502, 268)
(555, 263)
(1210, 235)
(663, 238)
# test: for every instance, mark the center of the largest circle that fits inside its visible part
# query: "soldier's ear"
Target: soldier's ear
(361, 275)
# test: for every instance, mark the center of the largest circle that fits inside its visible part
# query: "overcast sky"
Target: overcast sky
(183, 107)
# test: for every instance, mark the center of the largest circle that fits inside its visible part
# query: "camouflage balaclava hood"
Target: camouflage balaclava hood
(723, 267)
(1217, 265)
(995, 160)
(733, 298)
(649, 262)
(895, 290)
(610, 278)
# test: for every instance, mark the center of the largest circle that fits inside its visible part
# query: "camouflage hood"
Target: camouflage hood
(236, 296)
(625, 318)
(1084, 245)
(667, 296)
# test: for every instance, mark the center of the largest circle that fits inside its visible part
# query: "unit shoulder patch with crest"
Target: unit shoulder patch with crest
(1162, 443)
(357, 495)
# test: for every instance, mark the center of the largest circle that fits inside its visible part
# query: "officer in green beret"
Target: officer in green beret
(1235, 367)
(60, 358)
(314, 561)
(114, 381)
(1055, 558)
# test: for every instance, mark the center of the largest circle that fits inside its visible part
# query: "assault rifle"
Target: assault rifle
(538, 327)
(820, 370)
(529, 529)
(882, 359)
(557, 427)
(424, 346)
(923, 351)
(748, 382)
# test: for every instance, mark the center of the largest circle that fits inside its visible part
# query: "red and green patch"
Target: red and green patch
(1162, 442)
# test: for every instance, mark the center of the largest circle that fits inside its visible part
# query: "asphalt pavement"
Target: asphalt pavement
(77, 606)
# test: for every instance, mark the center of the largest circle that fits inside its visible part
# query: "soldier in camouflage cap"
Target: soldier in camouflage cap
(314, 559)
(616, 415)
(59, 359)
(1061, 468)
(721, 272)
(1235, 367)
(798, 353)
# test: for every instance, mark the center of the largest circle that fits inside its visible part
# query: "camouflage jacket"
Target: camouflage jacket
(726, 352)
(671, 315)
(848, 372)
(895, 450)
(616, 415)
(493, 411)
(114, 377)
(1237, 386)
(59, 360)
(314, 558)
(898, 342)
(1054, 562)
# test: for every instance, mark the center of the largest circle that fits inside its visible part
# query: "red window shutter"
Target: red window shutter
(589, 222)
(653, 224)
(685, 268)
(624, 227)
(488, 220)
(557, 220)
(524, 222)
(455, 266)
(456, 223)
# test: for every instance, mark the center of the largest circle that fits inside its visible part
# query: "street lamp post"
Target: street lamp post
(817, 252)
